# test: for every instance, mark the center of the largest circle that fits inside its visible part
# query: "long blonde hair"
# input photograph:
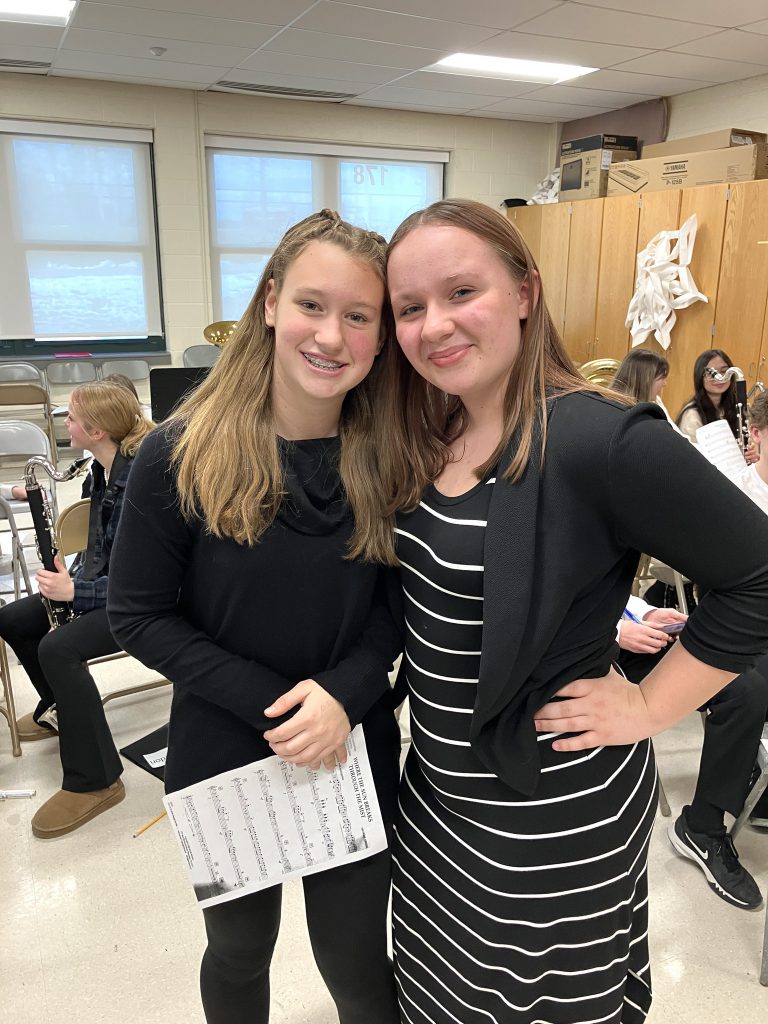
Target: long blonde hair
(429, 420)
(226, 454)
(111, 407)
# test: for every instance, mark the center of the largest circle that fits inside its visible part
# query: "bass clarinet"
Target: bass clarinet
(59, 612)
(742, 399)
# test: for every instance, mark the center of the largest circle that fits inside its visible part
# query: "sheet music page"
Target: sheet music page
(717, 443)
(260, 825)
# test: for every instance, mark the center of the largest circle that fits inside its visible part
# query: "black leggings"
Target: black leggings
(347, 920)
(55, 663)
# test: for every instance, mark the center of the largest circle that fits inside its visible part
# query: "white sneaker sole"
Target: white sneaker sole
(714, 885)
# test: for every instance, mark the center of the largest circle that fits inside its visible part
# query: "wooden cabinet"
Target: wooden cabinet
(553, 258)
(616, 276)
(741, 295)
(527, 220)
(581, 290)
(587, 253)
(692, 333)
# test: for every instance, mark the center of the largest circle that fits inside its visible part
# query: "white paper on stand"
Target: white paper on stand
(716, 442)
(157, 759)
(260, 825)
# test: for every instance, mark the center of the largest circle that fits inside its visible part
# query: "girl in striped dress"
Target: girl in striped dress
(526, 806)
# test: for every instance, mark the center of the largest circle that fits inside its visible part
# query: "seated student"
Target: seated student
(712, 400)
(732, 729)
(643, 375)
(106, 419)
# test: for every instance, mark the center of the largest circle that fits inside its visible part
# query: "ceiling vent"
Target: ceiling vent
(284, 91)
(25, 65)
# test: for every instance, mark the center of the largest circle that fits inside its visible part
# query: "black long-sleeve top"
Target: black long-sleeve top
(235, 627)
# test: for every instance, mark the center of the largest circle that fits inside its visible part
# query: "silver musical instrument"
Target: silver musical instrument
(742, 399)
(59, 612)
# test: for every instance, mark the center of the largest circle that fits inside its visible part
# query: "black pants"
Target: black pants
(347, 920)
(732, 731)
(55, 663)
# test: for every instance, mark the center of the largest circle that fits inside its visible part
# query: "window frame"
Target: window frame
(327, 159)
(91, 346)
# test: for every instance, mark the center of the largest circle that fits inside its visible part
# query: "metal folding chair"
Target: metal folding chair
(25, 399)
(72, 538)
(200, 355)
(133, 369)
(15, 372)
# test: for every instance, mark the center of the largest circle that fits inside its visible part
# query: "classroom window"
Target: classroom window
(257, 190)
(79, 265)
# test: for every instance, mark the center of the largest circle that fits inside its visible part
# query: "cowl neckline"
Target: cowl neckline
(314, 501)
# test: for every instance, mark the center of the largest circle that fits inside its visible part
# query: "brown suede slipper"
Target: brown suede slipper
(65, 811)
(30, 730)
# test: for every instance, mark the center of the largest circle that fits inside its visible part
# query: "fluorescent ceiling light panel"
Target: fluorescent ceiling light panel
(37, 12)
(515, 70)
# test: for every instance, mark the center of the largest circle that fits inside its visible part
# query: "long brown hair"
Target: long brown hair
(637, 372)
(226, 454)
(430, 420)
(109, 406)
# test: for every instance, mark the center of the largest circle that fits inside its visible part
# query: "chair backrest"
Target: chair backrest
(18, 437)
(72, 528)
(25, 393)
(20, 371)
(200, 355)
(134, 369)
(600, 371)
(79, 372)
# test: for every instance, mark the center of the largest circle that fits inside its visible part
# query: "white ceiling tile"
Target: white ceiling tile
(731, 45)
(700, 12)
(129, 79)
(14, 34)
(165, 25)
(298, 81)
(109, 64)
(466, 84)
(491, 13)
(500, 115)
(179, 51)
(643, 85)
(561, 111)
(573, 21)
(417, 108)
(447, 100)
(25, 53)
(332, 47)
(264, 12)
(686, 65)
(292, 64)
(361, 23)
(570, 51)
(586, 97)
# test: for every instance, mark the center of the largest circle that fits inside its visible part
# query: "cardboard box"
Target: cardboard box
(723, 139)
(584, 164)
(739, 163)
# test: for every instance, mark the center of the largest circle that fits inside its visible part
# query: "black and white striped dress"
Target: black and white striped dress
(506, 908)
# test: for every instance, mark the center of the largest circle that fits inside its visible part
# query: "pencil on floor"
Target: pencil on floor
(149, 824)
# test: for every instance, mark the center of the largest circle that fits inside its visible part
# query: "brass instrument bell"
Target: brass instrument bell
(219, 332)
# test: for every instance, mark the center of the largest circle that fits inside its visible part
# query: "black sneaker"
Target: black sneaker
(718, 859)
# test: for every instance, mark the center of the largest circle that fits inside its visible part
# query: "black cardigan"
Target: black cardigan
(561, 550)
(235, 627)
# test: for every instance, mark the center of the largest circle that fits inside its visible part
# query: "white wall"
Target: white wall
(736, 105)
(490, 159)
